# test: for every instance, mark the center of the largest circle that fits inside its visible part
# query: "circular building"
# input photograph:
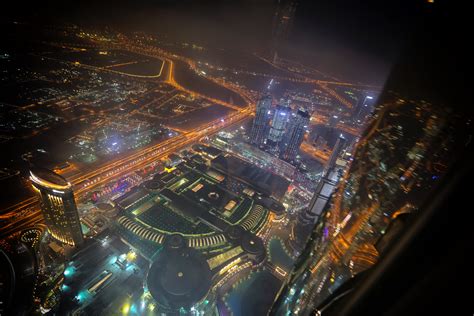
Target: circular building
(174, 242)
(178, 278)
(234, 233)
(253, 246)
(152, 185)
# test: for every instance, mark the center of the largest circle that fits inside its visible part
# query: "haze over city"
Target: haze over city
(224, 158)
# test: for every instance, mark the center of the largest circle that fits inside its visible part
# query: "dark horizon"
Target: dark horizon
(358, 42)
(271, 157)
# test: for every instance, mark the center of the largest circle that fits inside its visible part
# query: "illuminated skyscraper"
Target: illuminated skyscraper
(363, 107)
(58, 206)
(322, 194)
(336, 151)
(294, 135)
(389, 161)
(260, 126)
(279, 123)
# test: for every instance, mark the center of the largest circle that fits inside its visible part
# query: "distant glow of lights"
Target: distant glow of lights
(132, 255)
(326, 232)
(126, 308)
(113, 260)
(81, 296)
(345, 220)
(69, 271)
(369, 97)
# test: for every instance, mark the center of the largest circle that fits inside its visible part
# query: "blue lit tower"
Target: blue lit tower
(258, 134)
(294, 135)
(363, 108)
(279, 123)
(58, 206)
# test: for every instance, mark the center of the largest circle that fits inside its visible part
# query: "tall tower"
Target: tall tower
(363, 108)
(294, 135)
(282, 23)
(58, 206)
(279, 123)
(322, 194)
(260, 126)
(341, 141)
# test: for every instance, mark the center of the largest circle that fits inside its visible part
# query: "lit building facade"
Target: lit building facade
(279, 123)
(363, 108)
(259, 132)
(58, 206)
(294, 135)
(336, 151)
(390, 174)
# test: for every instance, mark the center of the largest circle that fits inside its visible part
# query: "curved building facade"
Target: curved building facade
(58, 206)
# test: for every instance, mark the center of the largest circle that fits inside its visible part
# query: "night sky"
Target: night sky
(343, 38)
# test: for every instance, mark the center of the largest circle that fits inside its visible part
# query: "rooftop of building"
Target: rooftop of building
(179, 278)
(263, 181)
(48, 178)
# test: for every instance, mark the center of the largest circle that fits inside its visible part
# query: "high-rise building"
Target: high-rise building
(282, 24)
(363, 108)
(388, 162)
(58, 206)
(293, 137)
(336, 151)
(260, 127)
(279, 123)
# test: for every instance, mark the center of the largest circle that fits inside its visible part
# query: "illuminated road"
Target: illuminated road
(323, 84)
(320, 155)
(118, 168)
(26, 213)
(158, 53)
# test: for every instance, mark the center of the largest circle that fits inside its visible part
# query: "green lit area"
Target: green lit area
(190, 199)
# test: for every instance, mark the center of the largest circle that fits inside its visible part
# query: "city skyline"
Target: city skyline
(229, 159)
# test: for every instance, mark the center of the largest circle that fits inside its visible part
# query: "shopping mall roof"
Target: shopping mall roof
(179, 278)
